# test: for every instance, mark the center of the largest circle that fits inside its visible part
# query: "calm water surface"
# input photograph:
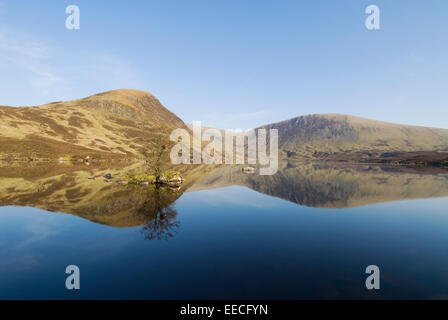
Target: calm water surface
(230, 242)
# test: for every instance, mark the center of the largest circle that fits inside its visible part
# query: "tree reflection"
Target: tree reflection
(160, 210)
(163, 226)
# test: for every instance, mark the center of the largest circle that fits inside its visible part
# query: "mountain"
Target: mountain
(132, 124)
(111, 125)
(340, 136)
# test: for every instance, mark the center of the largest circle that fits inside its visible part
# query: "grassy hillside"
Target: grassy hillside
(316, 135)
(117, 124)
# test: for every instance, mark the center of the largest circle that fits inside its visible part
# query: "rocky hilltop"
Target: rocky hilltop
(345, 137)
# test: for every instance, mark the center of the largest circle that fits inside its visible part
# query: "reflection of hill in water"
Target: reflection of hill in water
(67, 188)
(334, 185)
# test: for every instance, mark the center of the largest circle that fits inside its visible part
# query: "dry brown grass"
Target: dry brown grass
(98, 126)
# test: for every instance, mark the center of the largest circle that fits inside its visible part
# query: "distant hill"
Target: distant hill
(321, 135)
(114, 124)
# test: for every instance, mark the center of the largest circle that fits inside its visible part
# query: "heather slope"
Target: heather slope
(114, 124)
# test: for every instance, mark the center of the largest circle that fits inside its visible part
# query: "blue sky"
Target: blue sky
(234, 64)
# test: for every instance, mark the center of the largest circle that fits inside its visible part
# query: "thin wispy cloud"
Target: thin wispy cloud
(21, 263)
(31, 59)
(110, 71)
(50, 73)
(23, 45)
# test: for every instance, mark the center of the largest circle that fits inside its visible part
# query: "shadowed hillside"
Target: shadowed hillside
(344, 137)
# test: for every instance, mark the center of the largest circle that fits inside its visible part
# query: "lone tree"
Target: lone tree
(154, 158)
